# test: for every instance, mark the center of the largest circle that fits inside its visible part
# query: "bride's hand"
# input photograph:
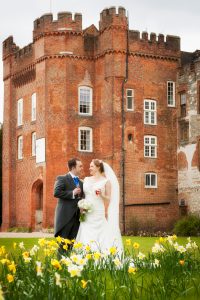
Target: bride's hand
(106, 215)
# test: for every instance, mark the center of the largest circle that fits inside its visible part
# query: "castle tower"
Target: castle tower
(87, 93)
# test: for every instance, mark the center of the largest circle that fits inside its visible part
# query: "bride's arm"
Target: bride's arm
(106, 197)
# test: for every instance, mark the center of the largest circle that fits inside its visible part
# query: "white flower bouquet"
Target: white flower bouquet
(85, 208)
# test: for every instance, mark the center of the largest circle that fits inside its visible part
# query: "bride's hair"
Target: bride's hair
(99, 163)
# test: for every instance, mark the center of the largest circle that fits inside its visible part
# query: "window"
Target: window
(20, 147)
(33, 107)
(130, 99)
(183, 104)
(33, 143)
(150, 115)
(20, 112)
(150, 180)
(85, 100)
(171, 93)
(85, 139)
(150, 146)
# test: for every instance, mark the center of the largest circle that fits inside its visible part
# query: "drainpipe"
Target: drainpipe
(123, 131)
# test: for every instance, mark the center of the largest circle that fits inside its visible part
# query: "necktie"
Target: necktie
(76, 181)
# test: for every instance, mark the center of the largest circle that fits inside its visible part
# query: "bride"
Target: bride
(101, 228)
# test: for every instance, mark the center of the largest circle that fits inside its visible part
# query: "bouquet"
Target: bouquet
(85, 207)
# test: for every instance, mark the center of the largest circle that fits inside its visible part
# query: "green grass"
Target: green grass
(146, 243)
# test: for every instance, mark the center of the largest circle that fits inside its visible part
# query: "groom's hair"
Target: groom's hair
(72, 163)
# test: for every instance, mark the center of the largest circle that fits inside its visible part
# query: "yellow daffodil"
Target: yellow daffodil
(55, 263)
(181, 262)
(113, 250)
(88, 256)
(97, 255)
(136, 245)
(87, 248)
(84, 283)
(5, 261)
(59, 239)
(132, 270)
(10, 278)
(42, 242)
(12, 267)
(78, 245)
(14, 245)
(25, 254)
(128, 242)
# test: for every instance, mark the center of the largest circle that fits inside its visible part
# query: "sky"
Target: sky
(173, 17)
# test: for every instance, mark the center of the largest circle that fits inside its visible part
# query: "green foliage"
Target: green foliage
(188, 226)
(19, 229)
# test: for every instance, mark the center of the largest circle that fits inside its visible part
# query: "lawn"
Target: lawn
(146, 243)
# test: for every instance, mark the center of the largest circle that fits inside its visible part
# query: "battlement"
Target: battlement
(171, 43)
(64, 22)
(9, 46)
(109, 16)
(24, 52)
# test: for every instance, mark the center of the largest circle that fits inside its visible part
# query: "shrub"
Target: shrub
(19, 229)
(188, 226)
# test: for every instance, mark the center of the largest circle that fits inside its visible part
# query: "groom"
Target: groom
(69, 190)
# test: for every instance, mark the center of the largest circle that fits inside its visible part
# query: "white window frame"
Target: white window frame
(20, 147)
(150, 112)
(171, 101)
(130, 97)
(20, 112)
(33, 143)
(90, 100)
(156, 180)
(150, 145)
(33, 107)
(88, 129)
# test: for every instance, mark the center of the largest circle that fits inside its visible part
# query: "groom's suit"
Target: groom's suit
(67, 213)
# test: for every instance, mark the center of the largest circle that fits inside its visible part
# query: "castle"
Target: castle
(109, 93)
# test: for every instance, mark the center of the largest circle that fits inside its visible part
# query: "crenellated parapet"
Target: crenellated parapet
(9, 47)
(64, 22)
(139, 41)
(109, 16)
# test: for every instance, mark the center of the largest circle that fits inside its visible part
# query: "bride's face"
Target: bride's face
(93, 169)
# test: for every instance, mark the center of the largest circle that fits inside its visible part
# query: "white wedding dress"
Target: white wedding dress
(96, 230)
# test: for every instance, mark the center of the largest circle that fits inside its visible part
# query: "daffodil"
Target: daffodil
(39, 268)
(181, 262)
(141, 255)
(132, 270)
(136, 245)
(55, 263)
(10, 278)
(96, 255)
(128, 242)
(12, 267)
(21, 245)
(42, 242)
(113, 250)
(58, 282)
(74, 270)
(84, 283)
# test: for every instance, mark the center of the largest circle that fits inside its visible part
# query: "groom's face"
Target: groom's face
(78, 169)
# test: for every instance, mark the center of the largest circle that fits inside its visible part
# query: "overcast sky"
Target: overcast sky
(174, 17)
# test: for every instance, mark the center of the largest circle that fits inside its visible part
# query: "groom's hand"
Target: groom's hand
(76, 191)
